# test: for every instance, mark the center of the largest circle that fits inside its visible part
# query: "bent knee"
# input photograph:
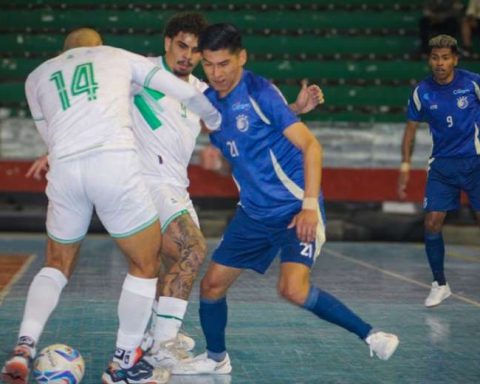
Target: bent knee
(212, 288)
(295, 293)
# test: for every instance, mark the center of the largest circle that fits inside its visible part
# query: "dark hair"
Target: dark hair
(443, 41)
(220, 36)
(189, 22)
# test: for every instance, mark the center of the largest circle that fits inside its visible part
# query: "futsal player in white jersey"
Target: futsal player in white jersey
(80, 103)
(166, 132)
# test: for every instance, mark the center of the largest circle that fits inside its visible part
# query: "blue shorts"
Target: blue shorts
(251, 244)
(446, 178)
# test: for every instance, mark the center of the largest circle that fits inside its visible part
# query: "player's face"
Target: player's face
(181, 53)
(442, 62)
(223, 69)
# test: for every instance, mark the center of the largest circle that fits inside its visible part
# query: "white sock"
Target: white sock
(170, 313)
(134, 309)
(42, 299)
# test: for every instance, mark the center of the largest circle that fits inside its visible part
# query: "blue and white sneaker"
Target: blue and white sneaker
(141, 373)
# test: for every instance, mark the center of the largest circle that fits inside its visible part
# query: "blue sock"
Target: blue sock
(213, 318)
(435, 248)
(328, 308)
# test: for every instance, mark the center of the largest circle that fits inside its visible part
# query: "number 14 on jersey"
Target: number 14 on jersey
(83, 81)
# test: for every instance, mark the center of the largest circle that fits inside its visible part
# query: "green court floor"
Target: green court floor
(271, 341)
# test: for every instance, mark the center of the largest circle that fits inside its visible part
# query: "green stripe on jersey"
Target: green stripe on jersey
(170, 317)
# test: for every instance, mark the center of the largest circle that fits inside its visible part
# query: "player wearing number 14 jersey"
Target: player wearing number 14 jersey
(449, 101)
(80, 103)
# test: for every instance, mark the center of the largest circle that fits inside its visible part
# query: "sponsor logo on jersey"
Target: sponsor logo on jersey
(242, 123)
(460, 91)
(462, 102)
(433, 106)
(238, 106)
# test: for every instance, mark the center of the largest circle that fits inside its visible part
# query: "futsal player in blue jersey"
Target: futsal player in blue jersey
(448, 101)
(276, 163)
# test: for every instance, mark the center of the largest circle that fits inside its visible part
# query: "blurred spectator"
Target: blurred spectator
(470, 23)
(439, 17)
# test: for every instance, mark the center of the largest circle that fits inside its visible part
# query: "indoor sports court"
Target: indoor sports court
(367, 56)
(271, 341)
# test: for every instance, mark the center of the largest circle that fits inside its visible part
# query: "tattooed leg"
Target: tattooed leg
(183, 252)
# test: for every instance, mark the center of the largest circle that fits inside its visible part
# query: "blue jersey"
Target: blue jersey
(266, 166)
(452, 112)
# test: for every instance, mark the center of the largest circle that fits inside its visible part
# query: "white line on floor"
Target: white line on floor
(396, 275)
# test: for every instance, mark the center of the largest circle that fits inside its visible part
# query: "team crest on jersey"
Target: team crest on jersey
(242, 123)
(462, 102)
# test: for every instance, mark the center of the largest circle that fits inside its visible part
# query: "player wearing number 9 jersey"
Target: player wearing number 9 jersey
(449, 101)
(80, 103)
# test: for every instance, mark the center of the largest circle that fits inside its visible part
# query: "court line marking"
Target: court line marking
(18, 275)
(397, 275)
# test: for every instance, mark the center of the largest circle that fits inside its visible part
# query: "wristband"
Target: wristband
(404, 167)
(310, 203)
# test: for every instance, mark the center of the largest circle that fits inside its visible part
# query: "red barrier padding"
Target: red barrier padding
(339, 184)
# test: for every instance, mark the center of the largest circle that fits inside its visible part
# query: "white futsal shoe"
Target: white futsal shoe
(437, 294)
(382, 344)
(201, 365)
(166, 354)
(183, 341)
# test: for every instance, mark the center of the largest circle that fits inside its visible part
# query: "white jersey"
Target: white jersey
(80, 100)
(166, 132)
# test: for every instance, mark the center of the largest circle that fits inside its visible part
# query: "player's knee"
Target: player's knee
(212, 288)
(432, 225)
(293, 292)
(145, 268)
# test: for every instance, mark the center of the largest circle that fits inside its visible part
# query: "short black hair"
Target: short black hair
(443, 41)
(220, 36)
(189, 22)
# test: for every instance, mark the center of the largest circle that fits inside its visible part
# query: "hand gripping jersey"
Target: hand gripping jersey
(266, 166)
(452, 112)
(166, 132)
(80, 100)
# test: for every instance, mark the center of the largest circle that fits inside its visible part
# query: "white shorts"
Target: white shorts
(110, 182)
(171, 202)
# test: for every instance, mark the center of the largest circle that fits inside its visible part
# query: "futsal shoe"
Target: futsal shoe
(166, 354)
(382, 344)
(17, 369)
(185, 342)
(201, 365)
(182, 341)
(437, 294)
(141, 373)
